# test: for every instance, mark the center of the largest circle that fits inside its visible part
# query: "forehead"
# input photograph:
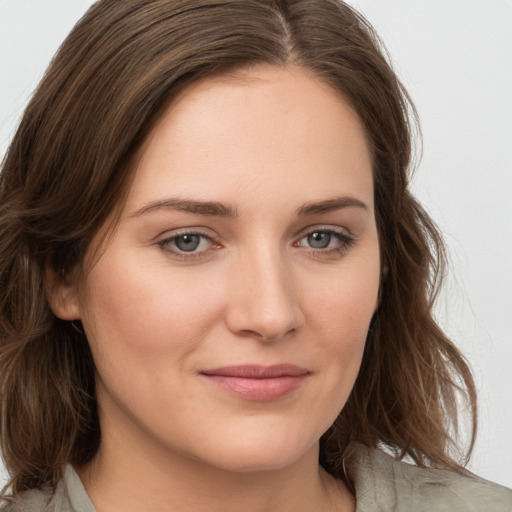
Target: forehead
(266, 130)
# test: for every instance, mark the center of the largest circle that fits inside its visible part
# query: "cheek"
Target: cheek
(340, 310)
(144, 311)
(338, 320)
(343, 304)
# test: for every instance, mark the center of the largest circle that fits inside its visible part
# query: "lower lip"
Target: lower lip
(258, 389)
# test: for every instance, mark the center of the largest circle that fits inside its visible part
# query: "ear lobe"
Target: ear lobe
(61, 294)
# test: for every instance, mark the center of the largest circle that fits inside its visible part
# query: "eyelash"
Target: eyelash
(167, 245)
(345, 242)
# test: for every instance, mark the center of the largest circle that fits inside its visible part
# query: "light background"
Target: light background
(455, 58)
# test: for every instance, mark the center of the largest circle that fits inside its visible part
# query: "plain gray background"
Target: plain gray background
(455, 58)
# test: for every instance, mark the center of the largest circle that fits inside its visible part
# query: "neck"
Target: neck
(134, 470)
(135, 477)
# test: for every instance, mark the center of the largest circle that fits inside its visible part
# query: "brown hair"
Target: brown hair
(68, 168)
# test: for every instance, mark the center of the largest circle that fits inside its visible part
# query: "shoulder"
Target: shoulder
(30, 501)
(69, 496)
(385, 484)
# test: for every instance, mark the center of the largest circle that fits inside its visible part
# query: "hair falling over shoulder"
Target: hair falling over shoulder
(69, 167)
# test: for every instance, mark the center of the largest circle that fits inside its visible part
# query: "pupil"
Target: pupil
(319, 240)
(187, 243)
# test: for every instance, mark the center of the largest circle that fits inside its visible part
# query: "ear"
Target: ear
(62, 294)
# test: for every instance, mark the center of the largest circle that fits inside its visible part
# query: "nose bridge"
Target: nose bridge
(265, 302)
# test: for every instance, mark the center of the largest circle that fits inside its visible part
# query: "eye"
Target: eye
(319, 239)
(186, 244)
(326, 241)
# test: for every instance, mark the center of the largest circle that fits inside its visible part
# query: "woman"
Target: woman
(216, 285)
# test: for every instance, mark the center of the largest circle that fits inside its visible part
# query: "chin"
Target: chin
(264, 460)
(271, 452)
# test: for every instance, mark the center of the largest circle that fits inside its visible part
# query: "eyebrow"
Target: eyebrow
(218, 209)
(337, 203)
(208, 208)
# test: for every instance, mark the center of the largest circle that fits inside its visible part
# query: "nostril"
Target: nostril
(267, 334)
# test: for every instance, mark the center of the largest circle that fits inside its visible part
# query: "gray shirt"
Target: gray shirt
(381, 484)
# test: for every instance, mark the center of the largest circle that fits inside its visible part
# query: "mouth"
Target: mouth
(256, 382)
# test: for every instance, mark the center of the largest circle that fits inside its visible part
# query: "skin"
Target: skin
(267, 144)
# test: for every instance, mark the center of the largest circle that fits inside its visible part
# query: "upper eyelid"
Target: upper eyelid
(327, 228)
(206, 232)
(175, 233)
(342, 237)
(167, 236)
(213, 236)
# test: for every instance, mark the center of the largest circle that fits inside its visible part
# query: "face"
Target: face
(227, 315)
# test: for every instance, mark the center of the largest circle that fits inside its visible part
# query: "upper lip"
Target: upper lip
(258, 371)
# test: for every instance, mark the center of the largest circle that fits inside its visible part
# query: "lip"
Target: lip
(257, 382)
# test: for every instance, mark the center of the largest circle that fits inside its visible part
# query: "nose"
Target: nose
(264, 301)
